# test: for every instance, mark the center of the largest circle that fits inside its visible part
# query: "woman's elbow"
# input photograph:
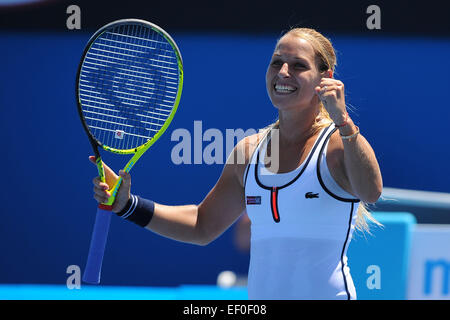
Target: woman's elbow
(373, 194)
(204, 236)
(372, 198)
(203, 240)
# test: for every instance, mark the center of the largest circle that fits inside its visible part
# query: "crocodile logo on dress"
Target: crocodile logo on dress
(311, 195)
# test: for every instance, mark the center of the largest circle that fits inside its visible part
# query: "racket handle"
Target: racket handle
(93, 268)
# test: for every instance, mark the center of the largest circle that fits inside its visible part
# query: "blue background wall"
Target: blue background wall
(398, 87)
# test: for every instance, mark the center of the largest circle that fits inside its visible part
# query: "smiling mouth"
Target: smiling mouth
(284, 89)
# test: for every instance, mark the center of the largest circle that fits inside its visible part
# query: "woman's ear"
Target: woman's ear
(327, 73)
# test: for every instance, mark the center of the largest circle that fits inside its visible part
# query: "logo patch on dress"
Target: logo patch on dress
(253, 199)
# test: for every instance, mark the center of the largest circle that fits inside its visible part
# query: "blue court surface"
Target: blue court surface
(60, 292)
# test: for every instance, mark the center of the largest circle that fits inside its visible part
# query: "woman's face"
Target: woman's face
(292, 74)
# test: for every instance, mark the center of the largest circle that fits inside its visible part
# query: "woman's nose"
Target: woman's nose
(284, 71)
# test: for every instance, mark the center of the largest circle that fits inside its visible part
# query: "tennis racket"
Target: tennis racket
(128, 88)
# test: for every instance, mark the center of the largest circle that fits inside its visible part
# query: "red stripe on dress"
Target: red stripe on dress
(274, 204)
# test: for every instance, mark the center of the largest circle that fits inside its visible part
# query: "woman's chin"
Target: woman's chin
(284, 104)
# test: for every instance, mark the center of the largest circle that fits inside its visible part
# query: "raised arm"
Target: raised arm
(355, 166)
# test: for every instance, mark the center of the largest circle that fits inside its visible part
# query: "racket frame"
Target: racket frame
(140, 150)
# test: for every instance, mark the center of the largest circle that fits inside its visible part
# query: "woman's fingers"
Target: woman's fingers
(100, 199)
(100, 184)
(124, 192)
(330, 89)
(331, 93)
(126, 179)
(101, 193)
(329, 81)
(110, 176)
(102, 189)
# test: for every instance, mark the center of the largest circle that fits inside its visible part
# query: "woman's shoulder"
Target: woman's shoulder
(242, 153)
(247, 146)
(335, 149)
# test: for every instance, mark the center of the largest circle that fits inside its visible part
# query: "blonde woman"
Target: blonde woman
(303, 207)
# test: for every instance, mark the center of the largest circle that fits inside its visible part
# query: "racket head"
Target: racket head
(128, 85)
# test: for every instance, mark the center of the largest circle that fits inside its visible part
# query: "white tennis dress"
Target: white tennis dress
(301, 226)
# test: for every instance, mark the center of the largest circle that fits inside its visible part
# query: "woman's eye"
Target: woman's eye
(277, 63)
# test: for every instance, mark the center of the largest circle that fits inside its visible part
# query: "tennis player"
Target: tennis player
(303, 208)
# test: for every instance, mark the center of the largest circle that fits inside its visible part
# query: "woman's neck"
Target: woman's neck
(296, 126)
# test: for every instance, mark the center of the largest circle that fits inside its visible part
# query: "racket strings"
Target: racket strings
(128, 85)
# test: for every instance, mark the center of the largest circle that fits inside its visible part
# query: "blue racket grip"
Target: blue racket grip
(93, 269)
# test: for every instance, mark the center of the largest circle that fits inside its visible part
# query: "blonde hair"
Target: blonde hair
(326, 60)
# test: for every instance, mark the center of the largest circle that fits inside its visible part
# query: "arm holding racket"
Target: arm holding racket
(196, 224)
